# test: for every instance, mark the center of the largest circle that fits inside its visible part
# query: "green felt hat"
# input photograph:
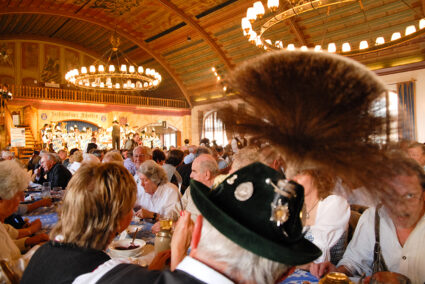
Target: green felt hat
(247, 210)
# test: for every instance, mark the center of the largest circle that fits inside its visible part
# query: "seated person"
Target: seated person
(13, 181)
(325, 215)
(75, 161)
(113, 156)
(401, 229)
(156, 196)
(233, 241)
(57, 174)
(97, 206)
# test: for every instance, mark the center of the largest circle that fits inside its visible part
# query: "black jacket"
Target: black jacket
(131, 273)
(57, 176)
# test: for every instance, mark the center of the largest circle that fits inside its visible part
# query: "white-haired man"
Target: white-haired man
(238, 238)
(57, 174)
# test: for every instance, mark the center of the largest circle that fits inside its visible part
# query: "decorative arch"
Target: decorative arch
(104, 22)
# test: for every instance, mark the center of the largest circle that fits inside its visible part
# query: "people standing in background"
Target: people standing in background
(416, 151)
(115, 135)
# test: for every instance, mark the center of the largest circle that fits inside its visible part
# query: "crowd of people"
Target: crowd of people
(255, 215)
(58, 136)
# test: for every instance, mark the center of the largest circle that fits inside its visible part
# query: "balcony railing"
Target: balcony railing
(43, 93)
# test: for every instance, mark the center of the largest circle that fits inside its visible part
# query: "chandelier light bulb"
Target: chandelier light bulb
(117, 85)
(290, 47)
(252, 36)
(93, 84)
(92, 69)
(123, 68)
(395, 36)
(250, 14)
(213, 69)
(125, 85)
(87, 84)
(133, 85)
(102, 85)
(80, 83)
(246, 24)
(318, 48)
(138, 84)
(331, 47)
(258, 41)
(140, 70)
(110, 86)
(364, 44)
(380, 40)
(145, 84)
(84, 70)
(131, 69)
(410, 30)
(421, 24)
(346, 47)
(101, 68)
(111, 68)
(259, 9)
(273, 4)
(304, 48)
(279, 44)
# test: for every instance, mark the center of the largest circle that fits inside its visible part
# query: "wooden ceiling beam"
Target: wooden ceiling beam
(204, 34)
(107, 24)
(297, 31)
(423, 7)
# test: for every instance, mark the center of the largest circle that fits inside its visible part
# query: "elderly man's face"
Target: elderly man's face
(46, 164)
(408, 206)
(139, 156)
(198, 173)
(417, 154)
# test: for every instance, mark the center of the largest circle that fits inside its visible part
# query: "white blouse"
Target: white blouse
(161, 202)
(332, 217)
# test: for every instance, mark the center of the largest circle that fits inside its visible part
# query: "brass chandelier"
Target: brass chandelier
(113, 74)
(297, 7)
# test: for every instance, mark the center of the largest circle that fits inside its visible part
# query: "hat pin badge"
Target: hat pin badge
(280, 212)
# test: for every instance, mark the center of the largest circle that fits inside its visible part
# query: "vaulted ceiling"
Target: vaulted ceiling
(183, 39)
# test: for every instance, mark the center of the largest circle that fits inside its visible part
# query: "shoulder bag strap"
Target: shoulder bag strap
(378, 259)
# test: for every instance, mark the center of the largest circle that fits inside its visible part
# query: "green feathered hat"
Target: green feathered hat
(258, 209)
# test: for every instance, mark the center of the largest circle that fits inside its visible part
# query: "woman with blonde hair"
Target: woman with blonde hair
(75, 161)
(97, 206)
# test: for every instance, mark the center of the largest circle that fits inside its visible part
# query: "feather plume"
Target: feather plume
(318, 109)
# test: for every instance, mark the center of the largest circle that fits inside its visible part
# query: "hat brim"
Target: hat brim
(297, 253)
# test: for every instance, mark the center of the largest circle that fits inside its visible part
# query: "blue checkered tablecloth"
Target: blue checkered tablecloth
(300, 276)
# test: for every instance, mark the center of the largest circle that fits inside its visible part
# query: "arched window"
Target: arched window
(214, 129)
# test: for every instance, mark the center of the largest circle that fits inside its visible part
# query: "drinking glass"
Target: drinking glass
(45, 190)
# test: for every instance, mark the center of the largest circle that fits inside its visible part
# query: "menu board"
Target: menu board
(17, 137)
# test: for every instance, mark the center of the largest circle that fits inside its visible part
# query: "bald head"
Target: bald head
(139, 155)
(204, 169)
